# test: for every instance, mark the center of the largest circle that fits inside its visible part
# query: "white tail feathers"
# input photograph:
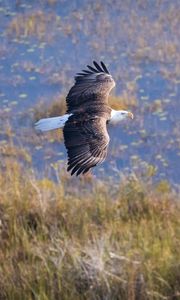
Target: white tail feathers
(52, 123)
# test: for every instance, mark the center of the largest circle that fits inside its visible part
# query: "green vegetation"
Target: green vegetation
(86, 239)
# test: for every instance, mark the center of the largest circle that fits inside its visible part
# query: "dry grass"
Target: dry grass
(56, 108)
(101, 242)
(141, 32)
(35, 23)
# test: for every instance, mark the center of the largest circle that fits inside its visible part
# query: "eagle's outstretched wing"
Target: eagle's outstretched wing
(85, 132)
(86, 141)
(91, 88)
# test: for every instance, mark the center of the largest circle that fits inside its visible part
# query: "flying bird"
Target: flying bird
(85, 122)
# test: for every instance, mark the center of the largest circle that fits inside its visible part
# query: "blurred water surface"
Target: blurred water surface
(44, 43)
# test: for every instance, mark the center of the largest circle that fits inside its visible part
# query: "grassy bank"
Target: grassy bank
(99, 243)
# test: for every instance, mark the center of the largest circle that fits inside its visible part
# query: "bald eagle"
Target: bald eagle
(85, 122)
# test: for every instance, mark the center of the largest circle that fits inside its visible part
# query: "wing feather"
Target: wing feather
(92, 69)
(86, 143)
(85, 171)
(98, 67)
(104, 67)
(86, 71)
(91, 85)
(85, 132)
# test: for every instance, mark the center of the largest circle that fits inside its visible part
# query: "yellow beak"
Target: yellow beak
(130, 115)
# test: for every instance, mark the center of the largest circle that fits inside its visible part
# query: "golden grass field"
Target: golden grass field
(87, 239)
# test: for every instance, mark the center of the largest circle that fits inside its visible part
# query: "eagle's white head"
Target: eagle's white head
(119, 115)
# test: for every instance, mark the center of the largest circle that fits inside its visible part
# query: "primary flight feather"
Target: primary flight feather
(85, 122)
